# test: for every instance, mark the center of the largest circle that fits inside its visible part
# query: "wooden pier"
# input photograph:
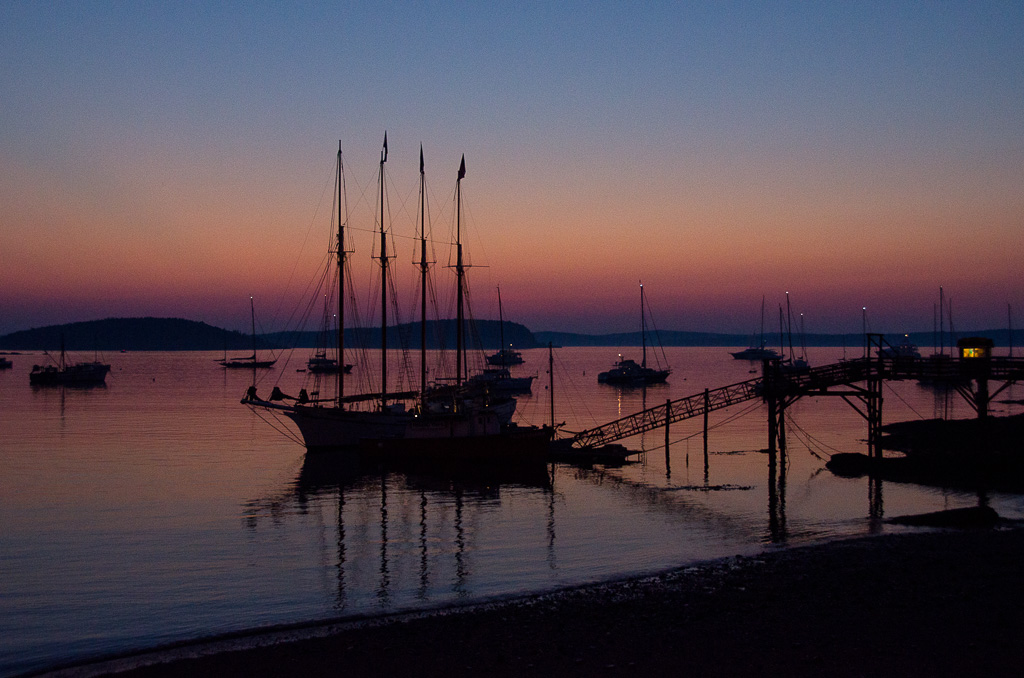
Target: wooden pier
(858, 382)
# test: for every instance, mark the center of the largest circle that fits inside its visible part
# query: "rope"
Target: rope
(902, 400)
(277, 427)
(809, 439)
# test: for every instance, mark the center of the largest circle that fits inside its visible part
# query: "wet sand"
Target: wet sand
(935, 604)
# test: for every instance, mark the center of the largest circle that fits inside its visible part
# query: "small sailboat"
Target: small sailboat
(69, 374)
(251, 361)
(627, 372)
(498, 379)
(760, 351)
(320, 362)
(505, 357)
(793, 364)
(430, 426)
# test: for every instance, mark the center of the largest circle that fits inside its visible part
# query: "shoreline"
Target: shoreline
(942, 602)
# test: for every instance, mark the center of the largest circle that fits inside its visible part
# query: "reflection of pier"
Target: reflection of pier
(858, 382)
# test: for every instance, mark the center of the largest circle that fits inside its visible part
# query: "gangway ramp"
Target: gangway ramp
(672, 411)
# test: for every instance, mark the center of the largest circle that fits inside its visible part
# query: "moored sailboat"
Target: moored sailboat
(251, 362)
(627, 372)
(761, 350)
(64, 373)
(504, 357)
(446, 424)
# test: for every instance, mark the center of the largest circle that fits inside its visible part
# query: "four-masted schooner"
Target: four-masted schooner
(455, 422)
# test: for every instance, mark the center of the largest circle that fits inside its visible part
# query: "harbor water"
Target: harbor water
(157, 509)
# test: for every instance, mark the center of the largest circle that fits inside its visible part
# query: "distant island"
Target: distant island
(177, 334)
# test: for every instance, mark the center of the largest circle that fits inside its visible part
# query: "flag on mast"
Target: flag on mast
(462, 167)
(384, 157)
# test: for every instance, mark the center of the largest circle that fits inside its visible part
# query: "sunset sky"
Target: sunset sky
(172, 159)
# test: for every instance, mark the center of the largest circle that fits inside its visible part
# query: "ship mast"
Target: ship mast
(423, 280)
(383, 286)
(501, 332)
(341, 285)
(643, 328)
(460, 273)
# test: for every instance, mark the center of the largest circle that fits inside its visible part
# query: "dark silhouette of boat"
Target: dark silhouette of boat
(451, 423)
(760, 351)
(69, 374)
(500, 381)
(627, 372)
(249, 362)
(505, 357)
(755, 353)
(320, 363)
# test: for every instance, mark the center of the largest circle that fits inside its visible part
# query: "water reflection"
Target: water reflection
(422, 537)
(777, 497)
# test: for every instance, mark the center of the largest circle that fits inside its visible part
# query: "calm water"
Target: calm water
(158, 509)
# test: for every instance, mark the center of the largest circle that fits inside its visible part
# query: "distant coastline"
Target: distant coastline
(177, 334)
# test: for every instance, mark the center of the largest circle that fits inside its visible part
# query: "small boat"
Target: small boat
(5, 364)
(760, 351)
(627, 372)
(319, 362)
(322, 364)
(452, 423)
(249, 362)
(905, 350)
(65, 374)
(505, 356)
(756, 353)
(499, 380)
(794, 364)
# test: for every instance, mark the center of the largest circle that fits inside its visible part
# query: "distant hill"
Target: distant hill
(481, 334)
(130, 334)
(176, 334)
(670, 338)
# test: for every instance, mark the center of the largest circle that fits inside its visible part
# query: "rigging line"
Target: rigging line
(275, 425)
(796, 433)
(657, 333)
(305, 240)
(818, 443)
(895, 393)
(809, 437)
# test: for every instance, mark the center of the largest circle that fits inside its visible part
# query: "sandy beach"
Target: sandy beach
(933, 603)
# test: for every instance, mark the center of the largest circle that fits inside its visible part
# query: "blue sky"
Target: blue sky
(855, 153)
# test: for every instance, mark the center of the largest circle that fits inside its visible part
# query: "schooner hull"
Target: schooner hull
(476, 438)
